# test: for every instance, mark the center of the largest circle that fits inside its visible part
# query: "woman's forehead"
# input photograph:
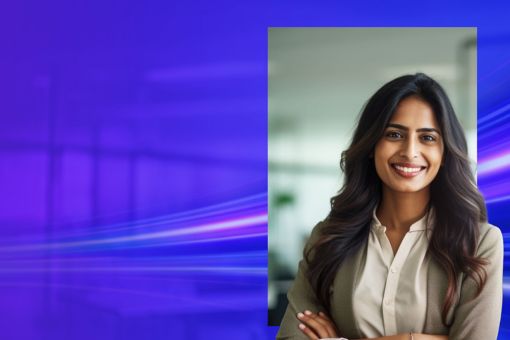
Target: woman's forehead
(414, 112)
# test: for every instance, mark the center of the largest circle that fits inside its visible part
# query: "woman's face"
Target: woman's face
(409, 155)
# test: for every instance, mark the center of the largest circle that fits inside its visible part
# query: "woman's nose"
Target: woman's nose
(410, 148)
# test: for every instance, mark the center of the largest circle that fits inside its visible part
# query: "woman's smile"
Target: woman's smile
(408, 170)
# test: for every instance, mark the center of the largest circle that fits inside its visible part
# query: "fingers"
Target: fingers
(320, 319)
(325, 316)
(333, 329)
(308, 332)
(319, 324)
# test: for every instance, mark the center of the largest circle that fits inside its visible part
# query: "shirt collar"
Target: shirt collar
(419, 225)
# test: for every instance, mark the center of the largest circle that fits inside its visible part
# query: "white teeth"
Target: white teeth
(404, 169)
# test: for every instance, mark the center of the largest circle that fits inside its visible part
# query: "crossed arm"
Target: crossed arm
(477, 316)
(320, 326)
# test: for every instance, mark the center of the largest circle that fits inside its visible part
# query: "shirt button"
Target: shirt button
(393, 270)
(387, 302)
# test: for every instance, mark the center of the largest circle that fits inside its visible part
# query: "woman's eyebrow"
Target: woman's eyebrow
(405, 128)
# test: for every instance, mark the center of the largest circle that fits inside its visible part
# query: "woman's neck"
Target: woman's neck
(398, 211)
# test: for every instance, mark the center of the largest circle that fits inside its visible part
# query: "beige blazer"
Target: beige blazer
(472, 318)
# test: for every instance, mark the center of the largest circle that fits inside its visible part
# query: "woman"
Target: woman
(406, 251)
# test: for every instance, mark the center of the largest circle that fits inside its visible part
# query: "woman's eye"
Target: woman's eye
(428, 138)
(394, 134)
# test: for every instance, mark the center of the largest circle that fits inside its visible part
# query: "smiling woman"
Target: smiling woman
(411, 148)
(406, 251)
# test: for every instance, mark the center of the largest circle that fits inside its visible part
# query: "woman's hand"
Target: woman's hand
(320, 326)
(317, 326)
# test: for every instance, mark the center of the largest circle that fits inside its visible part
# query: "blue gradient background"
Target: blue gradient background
(133, 160)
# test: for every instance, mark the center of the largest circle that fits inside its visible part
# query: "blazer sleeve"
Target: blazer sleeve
(478, 317)
(301, 296)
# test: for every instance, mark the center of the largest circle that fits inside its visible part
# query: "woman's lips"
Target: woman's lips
(407, 170)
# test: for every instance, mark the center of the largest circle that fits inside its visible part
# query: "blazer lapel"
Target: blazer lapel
(342, 294)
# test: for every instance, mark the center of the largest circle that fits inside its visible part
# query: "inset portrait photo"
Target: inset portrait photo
(376, 225)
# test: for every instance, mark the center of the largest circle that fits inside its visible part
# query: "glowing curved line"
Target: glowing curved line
(494, 164)
(233, 224)
(198, 269)
(493, 114)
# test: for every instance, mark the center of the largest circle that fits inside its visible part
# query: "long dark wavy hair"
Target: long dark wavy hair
(459, 208)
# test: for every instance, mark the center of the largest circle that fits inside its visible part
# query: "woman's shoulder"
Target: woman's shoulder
(317, 230)
(491, 239)
(315, 234)
(489, 230)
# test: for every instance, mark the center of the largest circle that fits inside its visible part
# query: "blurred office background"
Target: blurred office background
(319, 79)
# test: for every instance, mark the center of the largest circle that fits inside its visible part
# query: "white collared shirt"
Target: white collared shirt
(390, 294)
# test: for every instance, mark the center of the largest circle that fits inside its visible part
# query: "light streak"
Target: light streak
(495, 164)
(200, 229)
(493, 114)
(160, 269)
